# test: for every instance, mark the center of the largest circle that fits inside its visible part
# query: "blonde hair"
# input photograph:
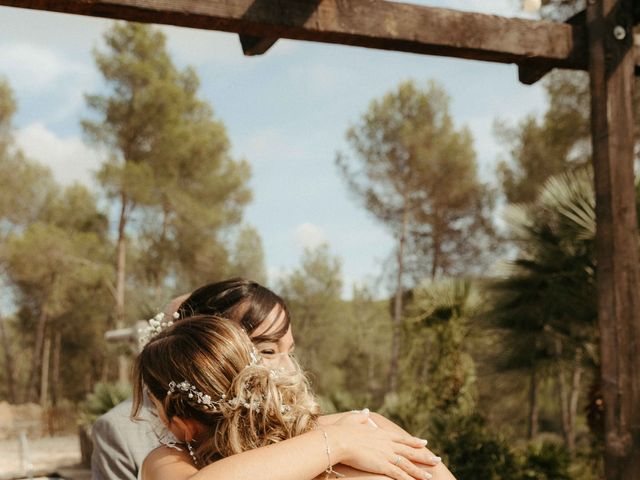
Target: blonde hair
(215, 357)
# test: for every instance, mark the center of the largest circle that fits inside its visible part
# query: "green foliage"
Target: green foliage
(312, 293)
(74, 209)
(368, 349)
(25, 187)
(247, 260)
(417, 173)
(103, 398)
(438, 374)
(62, 278)
(559, 142)
(7, 110)
(545, 301)
(551, 284)
(546, 461)
(472, 450)
(169, 164)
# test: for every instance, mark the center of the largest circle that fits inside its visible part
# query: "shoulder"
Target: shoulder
(117, 414)
(119, 419)
(165, 462)
(120, 444)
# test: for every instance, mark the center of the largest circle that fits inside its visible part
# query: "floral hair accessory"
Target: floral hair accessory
(193, 394)
(200, 398)
(156, 325)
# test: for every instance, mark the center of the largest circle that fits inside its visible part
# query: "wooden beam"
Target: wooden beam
(532, 70)
(611, 66)
(252, 46)
(365, 23)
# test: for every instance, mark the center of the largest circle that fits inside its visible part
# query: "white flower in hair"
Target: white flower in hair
(156, 325)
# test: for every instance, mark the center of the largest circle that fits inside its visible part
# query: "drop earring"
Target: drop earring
(192, 453)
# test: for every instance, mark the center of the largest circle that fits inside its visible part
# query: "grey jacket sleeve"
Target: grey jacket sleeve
(111, 458)
(120, 444)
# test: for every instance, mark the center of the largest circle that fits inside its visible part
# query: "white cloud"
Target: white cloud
(308, 235)
(33, 68)
(69, 158)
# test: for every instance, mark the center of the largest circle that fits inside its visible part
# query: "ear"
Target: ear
(185, 429)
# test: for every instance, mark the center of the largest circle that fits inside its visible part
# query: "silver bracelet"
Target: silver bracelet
(329, 471)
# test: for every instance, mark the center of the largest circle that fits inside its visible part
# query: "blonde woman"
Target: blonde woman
(214, 392)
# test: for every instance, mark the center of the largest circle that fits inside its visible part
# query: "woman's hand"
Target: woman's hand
(365, 447)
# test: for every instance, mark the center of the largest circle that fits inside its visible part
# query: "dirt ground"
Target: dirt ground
(46, 455)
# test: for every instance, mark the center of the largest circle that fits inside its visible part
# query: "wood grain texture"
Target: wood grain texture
(365, 23)
(611, 67)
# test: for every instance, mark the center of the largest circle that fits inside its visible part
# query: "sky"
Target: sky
(286, 113)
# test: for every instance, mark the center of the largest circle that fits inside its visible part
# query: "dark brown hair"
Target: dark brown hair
(242, 301)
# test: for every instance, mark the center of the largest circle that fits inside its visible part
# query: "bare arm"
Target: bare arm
(303, 457)
(438, 473)
(435, 467)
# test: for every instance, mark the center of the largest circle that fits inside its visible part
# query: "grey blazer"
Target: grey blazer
(120, 444)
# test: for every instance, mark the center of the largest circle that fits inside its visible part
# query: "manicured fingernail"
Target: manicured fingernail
(422, 441)
(427, 475)
(436, 459)
(365, 411)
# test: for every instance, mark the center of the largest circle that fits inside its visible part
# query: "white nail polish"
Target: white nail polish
(436, 459)
(423, 441)
(427, 475)
(365, 411)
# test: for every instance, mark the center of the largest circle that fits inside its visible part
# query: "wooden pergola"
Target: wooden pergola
(599, 40)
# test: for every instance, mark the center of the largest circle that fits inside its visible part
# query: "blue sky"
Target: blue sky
(286, 112)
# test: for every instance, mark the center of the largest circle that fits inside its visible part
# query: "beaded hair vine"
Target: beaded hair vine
(196, 396)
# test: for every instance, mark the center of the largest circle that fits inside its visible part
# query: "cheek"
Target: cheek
(271, 362)
(281, 361)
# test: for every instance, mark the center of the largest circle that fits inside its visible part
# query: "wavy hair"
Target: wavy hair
(215, 356)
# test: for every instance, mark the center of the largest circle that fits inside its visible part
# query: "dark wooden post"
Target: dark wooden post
(611, 67)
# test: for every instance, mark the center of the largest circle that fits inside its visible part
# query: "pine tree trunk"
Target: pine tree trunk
(9, 369)
(435, 259)
(569, 397)
(121, 258)
(55, 374)
(573, 402)
(533, 403)
(30, 391)
(564, 406)
(397, 306)
(44, 375)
